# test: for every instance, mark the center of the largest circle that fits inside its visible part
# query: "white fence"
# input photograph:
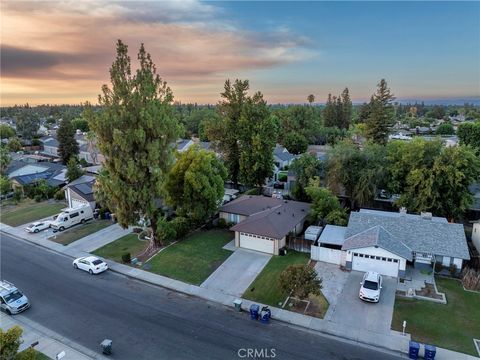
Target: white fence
(332, 256)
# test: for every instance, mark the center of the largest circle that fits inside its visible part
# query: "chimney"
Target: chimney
(426, 215)
(403, 211)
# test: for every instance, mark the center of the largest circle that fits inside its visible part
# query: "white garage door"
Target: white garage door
(257, 243)
(77, 203)
(379, 264)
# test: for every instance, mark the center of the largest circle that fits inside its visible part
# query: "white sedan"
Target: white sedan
(38, 226)
(91, 264)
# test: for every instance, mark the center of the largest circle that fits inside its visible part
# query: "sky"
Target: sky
(60, 52)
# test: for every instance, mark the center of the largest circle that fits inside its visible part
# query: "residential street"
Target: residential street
(147, 322)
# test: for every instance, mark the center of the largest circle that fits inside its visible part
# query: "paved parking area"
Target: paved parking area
(352, 311)
(237, 272)
(333, 281)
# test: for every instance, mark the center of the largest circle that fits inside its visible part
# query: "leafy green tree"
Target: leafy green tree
(381, 114)
(27, 122)
(165, 231)
(329, 112)
(10, 341)
(5, 185)
(257, 134)
(300, 281)
(73, 170)
(306, 167)
(6, 131)
(14, 144)
(135, 132)
(445, 129)
(80, 124)
(4, 159)
(357, 172)
(469, 134)
(443, 188)
(194, 186)
(325, 206)
(67, 144)
(296, 143)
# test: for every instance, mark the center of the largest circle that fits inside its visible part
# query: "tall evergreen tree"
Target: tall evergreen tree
(27, 122)
(67, 144)
(135, 132)
(73, 170)
(381, 114)
(329, 112)
(257, 140)
(346, 109)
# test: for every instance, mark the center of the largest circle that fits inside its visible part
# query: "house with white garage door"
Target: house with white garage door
(80, 192)
(388, 242)
(263, 223)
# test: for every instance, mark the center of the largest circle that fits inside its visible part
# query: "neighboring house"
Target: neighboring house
(476, 235)
(387, 242)
(50, 146)
(184, 144)
(80, 192)
(282, 157)
(263, 223)
(474, 209)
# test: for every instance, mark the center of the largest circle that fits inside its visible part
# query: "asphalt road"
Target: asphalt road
(148, 322)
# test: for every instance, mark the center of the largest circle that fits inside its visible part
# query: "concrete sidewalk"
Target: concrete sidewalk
(49, 343)
(394, 341)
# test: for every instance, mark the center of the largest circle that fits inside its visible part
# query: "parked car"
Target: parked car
(371, 287)
(12, 300)
(38, 226)
(92, 264)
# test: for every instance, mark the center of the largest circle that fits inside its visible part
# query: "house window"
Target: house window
(384, 259)
(361, 255)
(395, 260)
(389, 260)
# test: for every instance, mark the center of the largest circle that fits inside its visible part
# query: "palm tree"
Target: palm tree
(311, 98)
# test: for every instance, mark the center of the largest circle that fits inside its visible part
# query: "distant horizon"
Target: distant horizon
(60, 52)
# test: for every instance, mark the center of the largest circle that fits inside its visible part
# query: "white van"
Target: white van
(72, 216)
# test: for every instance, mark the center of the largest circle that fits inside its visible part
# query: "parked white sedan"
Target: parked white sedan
(91, 264)
(371, 287)
(38, 226)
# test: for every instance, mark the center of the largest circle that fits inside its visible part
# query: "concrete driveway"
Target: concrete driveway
(333, 281)
(237, 272)
(352, 311)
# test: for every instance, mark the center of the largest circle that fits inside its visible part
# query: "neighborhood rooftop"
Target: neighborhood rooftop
(420, 234)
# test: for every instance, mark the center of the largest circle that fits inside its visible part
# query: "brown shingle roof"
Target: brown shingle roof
(250, 204)
(275, 221)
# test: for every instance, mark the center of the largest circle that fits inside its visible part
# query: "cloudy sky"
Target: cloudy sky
(60, 52)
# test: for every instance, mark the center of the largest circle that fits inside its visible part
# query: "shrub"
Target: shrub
(438, 267)
(282, 177)
(453, 270)
(230, 224)
(181, 225)
(222, 223)
(137, 230)
(17, 195)
(254, 191)
(165, 231)
(38, 198)
(471, 279)
(59, 195)
(126, 258)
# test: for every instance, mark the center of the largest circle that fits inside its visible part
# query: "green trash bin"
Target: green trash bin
(238, 304)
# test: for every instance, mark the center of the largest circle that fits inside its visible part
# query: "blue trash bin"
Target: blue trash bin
(254, 310)
(430, 352)
(413, 350)
(265, 315)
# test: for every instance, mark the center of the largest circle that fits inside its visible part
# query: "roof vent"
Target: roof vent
(403, 211)
(285, 201)
(303, 210)
(293, 214)
(426, 215)
(279, 213)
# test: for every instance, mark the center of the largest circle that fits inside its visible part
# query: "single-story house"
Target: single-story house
(53, 177)
(263, 223)
(282, 157)
(184, 144)
(50, 146)
(80, 192)
(386, 242)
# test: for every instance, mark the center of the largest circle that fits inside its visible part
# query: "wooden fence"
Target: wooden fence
(298, 243)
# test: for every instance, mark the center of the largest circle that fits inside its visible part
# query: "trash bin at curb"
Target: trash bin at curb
(413, 350)
(430, 352)
(238, 304)
(106, 346)
(265, 315)
(254, 309)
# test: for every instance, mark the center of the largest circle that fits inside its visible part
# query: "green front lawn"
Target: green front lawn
(265, 288)
(80, 231)
(28, 211)
(451, 326)
(38, 355)
(193, 259)
(126, 244)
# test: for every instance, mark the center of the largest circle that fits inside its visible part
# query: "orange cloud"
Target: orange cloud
(60, 52)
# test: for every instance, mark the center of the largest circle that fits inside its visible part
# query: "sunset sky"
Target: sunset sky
(60, 52)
